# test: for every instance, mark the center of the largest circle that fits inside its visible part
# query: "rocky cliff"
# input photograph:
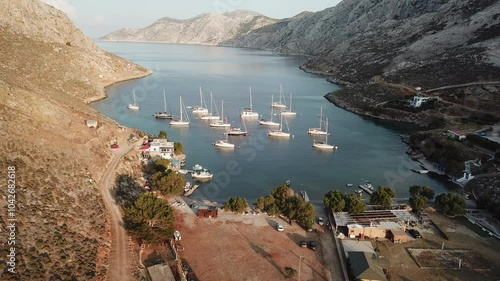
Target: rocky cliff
(210, 29)
(428, 43)
(48, 70)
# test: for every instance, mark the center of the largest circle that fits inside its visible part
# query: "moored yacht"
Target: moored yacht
(201, 173)
(200, 109)
(247, 112)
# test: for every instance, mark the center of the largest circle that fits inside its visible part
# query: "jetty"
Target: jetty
(190, 190)
(366, 188)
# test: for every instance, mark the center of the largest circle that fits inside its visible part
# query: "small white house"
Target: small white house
(457, 135)
(418, 100)
(91, 123)
(162, 148)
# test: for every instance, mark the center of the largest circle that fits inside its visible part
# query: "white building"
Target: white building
(162, 148)
(418, 100)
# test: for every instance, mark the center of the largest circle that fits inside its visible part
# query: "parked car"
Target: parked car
(313, 245)
(320, 221)
(415, 233)
(279, 227)
(115, 146)
(303, 244)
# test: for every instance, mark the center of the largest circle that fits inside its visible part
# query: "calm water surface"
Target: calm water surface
(368, 149)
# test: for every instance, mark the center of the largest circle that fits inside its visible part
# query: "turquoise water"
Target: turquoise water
(368, 149)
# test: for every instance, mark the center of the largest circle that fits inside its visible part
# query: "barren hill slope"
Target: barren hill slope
(48, 68)
(210, 29)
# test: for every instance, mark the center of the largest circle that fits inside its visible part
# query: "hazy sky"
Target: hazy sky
(99, 17)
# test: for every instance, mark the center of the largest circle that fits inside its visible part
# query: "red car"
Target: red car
(115, 146)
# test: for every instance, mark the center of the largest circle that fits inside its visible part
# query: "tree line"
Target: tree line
(448, 203)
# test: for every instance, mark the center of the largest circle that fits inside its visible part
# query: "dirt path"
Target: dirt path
(119, 258)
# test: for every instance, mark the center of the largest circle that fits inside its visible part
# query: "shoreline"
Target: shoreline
(106, 85)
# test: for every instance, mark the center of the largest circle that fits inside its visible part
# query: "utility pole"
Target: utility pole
(300, 262)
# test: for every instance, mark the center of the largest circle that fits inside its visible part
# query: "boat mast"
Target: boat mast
(272, 102)
(211, 99)
(250, 90)
(180, 106)
(201, 99)
(321, 118)
(134, 97)
(326, 136)
(281, 91)
(164, 102)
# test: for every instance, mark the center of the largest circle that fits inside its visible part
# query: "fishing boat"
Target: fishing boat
(349, 185)
(224, 143)
(183, 119)
(210, 115)
(289, 112)
(200, 109)
(133, 106)
(270, 122)
(318, 131)
(279, 133)
(247, 112)
(164, 114)
(201, 173)
(189, 188)
(324, 144)
(279, 104)
(221, 122)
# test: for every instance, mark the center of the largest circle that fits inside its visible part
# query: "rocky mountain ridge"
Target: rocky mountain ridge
(414, 43)
(209, 29)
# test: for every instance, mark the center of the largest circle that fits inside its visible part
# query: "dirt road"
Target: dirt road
(119, 258)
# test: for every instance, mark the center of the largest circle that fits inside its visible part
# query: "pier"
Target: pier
(366, 188)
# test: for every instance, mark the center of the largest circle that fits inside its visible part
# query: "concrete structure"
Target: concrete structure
(160, 272)
(418, 100)
(356, 246)
(207, 212)
(372, 224)
(162, 148)
(397, 235)
(91, 123)
(367, 266)
(456, 135)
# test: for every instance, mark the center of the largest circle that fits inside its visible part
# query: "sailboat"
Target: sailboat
(181, 121)
(279, 133)
(289, 112)
(220, 123)
(164, 114)
(279, 104)
(200, 109)
(237, 131)
(211, 115)
(224, 143)
(247, 111)
(318, 131)
(133, 106)
(324, 144)
(270, 122)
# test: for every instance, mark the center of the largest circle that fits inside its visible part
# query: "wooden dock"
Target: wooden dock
(365, 188)
(191, 190)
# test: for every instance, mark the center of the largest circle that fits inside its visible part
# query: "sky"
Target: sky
(97, 18)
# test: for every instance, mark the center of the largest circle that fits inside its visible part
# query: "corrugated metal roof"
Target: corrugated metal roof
(161, 273)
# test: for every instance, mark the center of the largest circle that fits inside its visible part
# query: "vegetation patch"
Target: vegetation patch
(449, 259)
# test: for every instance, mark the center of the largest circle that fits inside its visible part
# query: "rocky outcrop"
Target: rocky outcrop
(209, 29)
(428, 43)
(48, 68)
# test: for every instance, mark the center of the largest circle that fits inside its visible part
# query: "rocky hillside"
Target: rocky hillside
(427, 43)
(49, 71)
(210, 29)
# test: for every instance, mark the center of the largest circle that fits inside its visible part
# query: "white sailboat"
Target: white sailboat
(270, 122)
(318, 131)
(164, 114)
(279, 133)
(133, 106)
(279, 104)
(324, 144)
(181, 121)
(221, 122)
(224, 143)
(211, 115)
(238, 131)
(200, 109)
(289, 112)
(247, 111)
